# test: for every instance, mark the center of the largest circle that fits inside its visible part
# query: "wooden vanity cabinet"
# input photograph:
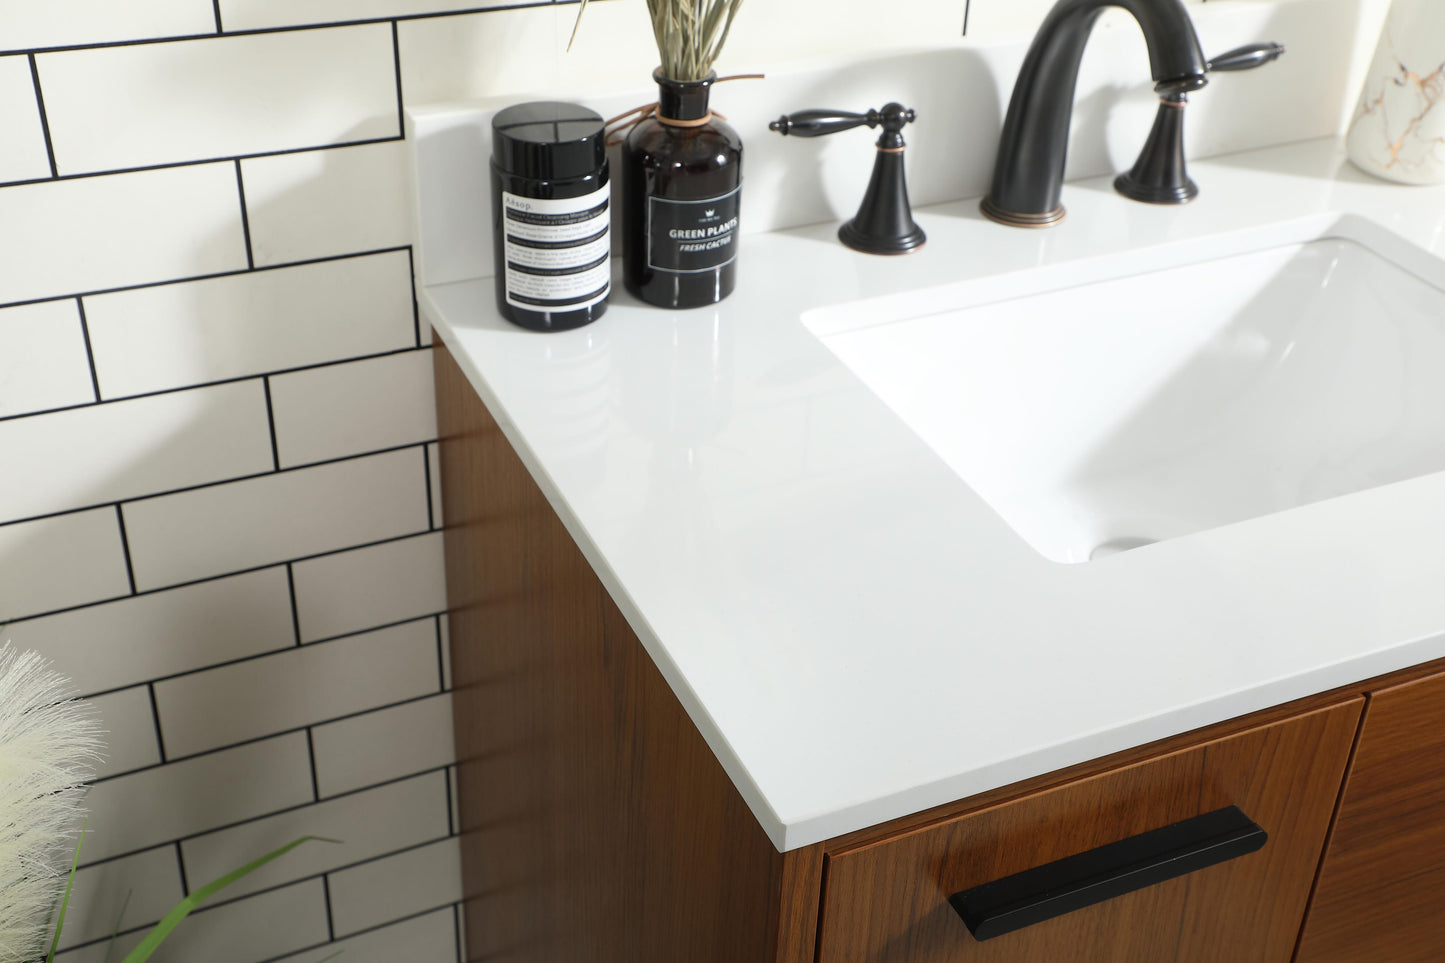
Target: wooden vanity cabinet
(886, 902)
(598, 827)
(1381, 894)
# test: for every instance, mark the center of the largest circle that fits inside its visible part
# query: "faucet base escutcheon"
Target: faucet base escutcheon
(993, 212)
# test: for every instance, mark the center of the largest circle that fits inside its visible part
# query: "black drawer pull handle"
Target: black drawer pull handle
(1074, 882)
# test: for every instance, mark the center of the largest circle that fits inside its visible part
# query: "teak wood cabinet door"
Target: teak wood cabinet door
(1381, 894)
(887, 902)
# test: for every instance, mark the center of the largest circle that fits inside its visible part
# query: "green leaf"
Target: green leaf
(157, 935)
(115, 930)
(69, 882)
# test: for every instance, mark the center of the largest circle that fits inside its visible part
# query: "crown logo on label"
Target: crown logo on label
(710, 211)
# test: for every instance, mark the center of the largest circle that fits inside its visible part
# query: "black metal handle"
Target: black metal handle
(1247, 57)
(1074, 882)
(816, 123)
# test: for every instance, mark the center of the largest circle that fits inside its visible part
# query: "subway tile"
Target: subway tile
(151, 636)
(27, 24)
(151, 880)
(297, 687)
(371, 823)
(42, 358)
(142, 809)
(327, 202)
(54, 563)
(455, 58)
(105, 453)
(97, 233)
(259, 14)
(360, 406)
(479, 55)
(396, 886)
(350, 591)
(425, 939)
(256, 928)
(114, 108)
(258, 521)
(434, 459)
(386, 744)
(128, 725)
(22, 150)
(175, 335)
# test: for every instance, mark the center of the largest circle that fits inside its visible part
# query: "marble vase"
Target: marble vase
(1398, 130)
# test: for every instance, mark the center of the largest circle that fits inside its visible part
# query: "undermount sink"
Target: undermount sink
(1106, 404)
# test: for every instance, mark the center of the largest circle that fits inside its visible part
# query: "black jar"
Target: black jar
(551, 215)
(681, 184)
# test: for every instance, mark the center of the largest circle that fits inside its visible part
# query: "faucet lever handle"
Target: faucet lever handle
(816, 123)
(1247, 57)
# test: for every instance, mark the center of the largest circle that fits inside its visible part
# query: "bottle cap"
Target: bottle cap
(548, 141)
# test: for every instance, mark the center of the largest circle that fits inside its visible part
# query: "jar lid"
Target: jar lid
(547, 141)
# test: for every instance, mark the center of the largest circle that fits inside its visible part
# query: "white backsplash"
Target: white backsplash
(960, 90)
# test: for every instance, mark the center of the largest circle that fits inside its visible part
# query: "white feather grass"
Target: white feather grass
(689, 33)
(48, 748)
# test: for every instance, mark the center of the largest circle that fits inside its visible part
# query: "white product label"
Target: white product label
(557, 251)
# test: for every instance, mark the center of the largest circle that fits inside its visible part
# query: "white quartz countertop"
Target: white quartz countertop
(854, 631)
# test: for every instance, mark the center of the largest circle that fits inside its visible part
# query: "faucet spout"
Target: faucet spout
(1028, 177)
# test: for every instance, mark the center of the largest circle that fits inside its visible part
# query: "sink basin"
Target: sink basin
(1103, 405)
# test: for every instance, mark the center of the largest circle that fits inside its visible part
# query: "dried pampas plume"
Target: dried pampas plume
(49, 744)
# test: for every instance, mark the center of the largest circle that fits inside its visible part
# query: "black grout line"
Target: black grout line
(217, 578)
(330, 923)
(311, 758)
(212, 384)
(216, 903)
(451, 816)
(125, 547)
(370, 929)
(966, 5)
(89, 352)
(271, 423)
(216, 4)
(269, 735)
(181, 864)
(394, 249)
(263, 31)
(44, 118)
(200, 161)
(441, 658)
(228, 481)
(261, 655)
(415, 306)
(426, 477)
(457, 929)
(156, 718)
(290, 809)
(245, 218)
(295, 609)
(396, 59)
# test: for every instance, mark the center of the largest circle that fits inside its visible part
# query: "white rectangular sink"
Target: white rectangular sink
(1104, 405)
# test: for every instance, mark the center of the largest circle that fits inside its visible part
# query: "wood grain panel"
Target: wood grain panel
(886, 902)
(596, 823)
(1381, 893)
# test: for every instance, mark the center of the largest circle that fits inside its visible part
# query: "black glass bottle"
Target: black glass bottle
(681, 185)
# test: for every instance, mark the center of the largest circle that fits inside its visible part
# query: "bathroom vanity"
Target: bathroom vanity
(754, 661)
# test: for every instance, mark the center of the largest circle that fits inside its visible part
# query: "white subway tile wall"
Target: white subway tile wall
(221, 513)
(322, 203)
(22, 150)
(42, 357)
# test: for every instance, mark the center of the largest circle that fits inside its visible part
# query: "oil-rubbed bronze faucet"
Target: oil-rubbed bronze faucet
(1029, 175)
